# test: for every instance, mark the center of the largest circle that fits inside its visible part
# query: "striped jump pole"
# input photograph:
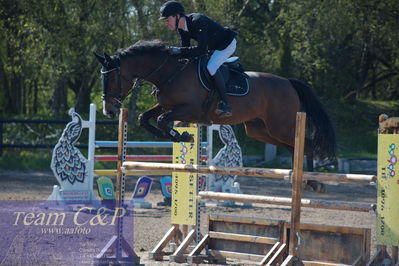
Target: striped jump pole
(141, 158)
(139, 144)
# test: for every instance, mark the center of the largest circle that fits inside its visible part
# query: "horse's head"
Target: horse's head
(115, 85)
(144, 60)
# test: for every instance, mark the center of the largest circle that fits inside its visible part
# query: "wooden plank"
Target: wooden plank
(269, 255)
(358, 262)
(200, 246)
(288, 261)
(156, 253)
(243, 238)
(178, 256)
(367, 244)
(195, 257)
(332, 228)
(308, 203)
(113, 172)
(297, 182)
(328, 245)
(243, 220)
(321, 263)
(278, 256)
(236, 255)
(247, 171)
(376, 259)
(108, 248)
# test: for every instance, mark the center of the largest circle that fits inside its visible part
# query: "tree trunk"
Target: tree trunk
(83, 101)
(35, 92)
(58, 101)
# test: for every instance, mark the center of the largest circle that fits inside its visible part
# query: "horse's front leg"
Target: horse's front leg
(145, 117)
(182, 113)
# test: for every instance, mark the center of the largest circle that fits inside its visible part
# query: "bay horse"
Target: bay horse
(268, 111)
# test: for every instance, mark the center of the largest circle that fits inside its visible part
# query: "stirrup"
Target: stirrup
(224, 114)
(223, 110)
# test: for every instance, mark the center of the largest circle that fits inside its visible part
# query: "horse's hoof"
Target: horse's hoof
(221, 113)
(321, 188)
(186, 137)
(315, 187)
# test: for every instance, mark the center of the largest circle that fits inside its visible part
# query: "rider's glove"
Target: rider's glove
(174, 50)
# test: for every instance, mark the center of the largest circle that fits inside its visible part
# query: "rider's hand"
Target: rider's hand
(174, 50)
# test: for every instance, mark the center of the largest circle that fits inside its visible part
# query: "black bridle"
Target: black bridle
(119, 97)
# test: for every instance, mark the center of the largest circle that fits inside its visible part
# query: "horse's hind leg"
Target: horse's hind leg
(256, 129)
(312, 184)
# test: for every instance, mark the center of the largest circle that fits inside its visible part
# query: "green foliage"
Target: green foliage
(343, 48)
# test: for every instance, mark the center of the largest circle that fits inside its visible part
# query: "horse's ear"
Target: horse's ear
(107, 58)
(100, 58)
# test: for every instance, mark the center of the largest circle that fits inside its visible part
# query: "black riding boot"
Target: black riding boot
(223, 108)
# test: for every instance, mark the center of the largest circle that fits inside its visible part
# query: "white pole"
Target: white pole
(91, 148)
(210, 141)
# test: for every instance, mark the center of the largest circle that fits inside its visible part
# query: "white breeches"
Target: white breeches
(220, 56)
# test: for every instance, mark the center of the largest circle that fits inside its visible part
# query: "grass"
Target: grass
(39, 159)
(356, 126)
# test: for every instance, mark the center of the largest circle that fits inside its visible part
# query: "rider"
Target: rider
(210, 35)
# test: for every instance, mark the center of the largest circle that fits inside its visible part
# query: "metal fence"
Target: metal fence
(38, 121)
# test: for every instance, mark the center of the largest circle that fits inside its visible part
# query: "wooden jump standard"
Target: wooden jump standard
(278, 251)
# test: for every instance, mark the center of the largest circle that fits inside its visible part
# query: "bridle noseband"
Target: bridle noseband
(117, 96)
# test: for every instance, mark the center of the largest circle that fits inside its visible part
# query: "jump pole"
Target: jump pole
(284, 201)
(130, 167)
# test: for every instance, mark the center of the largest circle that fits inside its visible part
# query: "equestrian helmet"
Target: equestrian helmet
(170, 8)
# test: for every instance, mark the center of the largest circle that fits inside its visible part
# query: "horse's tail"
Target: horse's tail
(323, 135)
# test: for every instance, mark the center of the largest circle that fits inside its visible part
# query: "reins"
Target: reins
(136, 85)
(139, 81)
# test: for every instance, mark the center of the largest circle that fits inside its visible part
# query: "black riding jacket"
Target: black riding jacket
(209, 34)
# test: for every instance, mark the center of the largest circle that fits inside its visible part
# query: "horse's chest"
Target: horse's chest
(167, 100)
(164, 100)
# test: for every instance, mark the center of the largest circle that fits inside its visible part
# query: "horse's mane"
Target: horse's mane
(143, 47)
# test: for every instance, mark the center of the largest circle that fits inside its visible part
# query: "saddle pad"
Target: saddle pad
(237, 85)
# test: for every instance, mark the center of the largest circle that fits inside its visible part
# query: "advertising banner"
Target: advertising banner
(184, 185)
(388, 190)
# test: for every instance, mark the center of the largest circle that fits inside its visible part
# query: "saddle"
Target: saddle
(236, 80)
